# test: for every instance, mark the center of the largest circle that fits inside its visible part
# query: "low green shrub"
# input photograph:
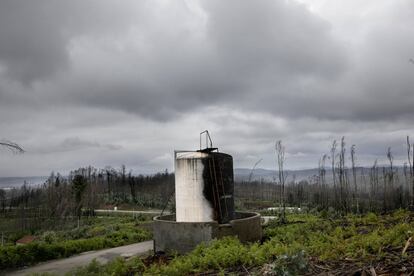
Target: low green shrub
(49, 237)
(287, 265)
(117, 267)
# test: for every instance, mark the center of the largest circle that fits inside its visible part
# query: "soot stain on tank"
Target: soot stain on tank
(208, 191)
(218, 185)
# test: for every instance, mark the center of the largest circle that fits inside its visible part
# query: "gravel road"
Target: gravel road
(60, 267)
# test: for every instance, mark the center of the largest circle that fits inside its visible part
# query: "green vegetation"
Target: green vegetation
(117, 267)
(364, 238)
(288, 249)
(96, 233)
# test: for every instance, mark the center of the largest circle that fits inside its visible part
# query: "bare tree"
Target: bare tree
(354, 195)
(11, 146)
(411, 165)
(385, 189)
(322, 179)
(280, 152)
(342, 177)
(390, 158)
(405, 172)
(254, 167)
(374, 179)
(132, 182)
(390, 174)
(79, 184)
(3, 200)
(333, 154)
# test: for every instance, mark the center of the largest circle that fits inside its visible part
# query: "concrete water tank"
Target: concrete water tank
(204, 186)
(204, 199)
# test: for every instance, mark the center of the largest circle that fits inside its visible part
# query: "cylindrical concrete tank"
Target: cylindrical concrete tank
(204, 186)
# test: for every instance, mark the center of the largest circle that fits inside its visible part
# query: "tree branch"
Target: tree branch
(11, 146)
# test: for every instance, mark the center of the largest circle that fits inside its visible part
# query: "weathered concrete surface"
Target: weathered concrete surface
(247, 228)
(182, 237)
(204, 187)
(60, 267)
(190, 203)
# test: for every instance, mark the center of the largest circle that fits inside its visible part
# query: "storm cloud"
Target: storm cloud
(110, 83)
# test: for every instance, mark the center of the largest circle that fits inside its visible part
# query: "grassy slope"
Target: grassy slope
(307, 244)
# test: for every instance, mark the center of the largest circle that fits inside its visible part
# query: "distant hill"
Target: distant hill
(242, 174)
(11, 182)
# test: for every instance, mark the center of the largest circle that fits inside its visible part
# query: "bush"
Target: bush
(287, 265)
(49, 237)
(227, 252)
(117, 267)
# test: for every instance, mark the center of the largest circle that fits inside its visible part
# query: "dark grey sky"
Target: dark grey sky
(107, 82)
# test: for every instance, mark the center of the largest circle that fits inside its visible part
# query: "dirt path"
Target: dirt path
(62, 266)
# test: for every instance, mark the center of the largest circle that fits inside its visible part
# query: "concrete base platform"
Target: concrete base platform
(182, 237)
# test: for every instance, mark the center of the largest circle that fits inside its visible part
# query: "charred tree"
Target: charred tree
(280, 153)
